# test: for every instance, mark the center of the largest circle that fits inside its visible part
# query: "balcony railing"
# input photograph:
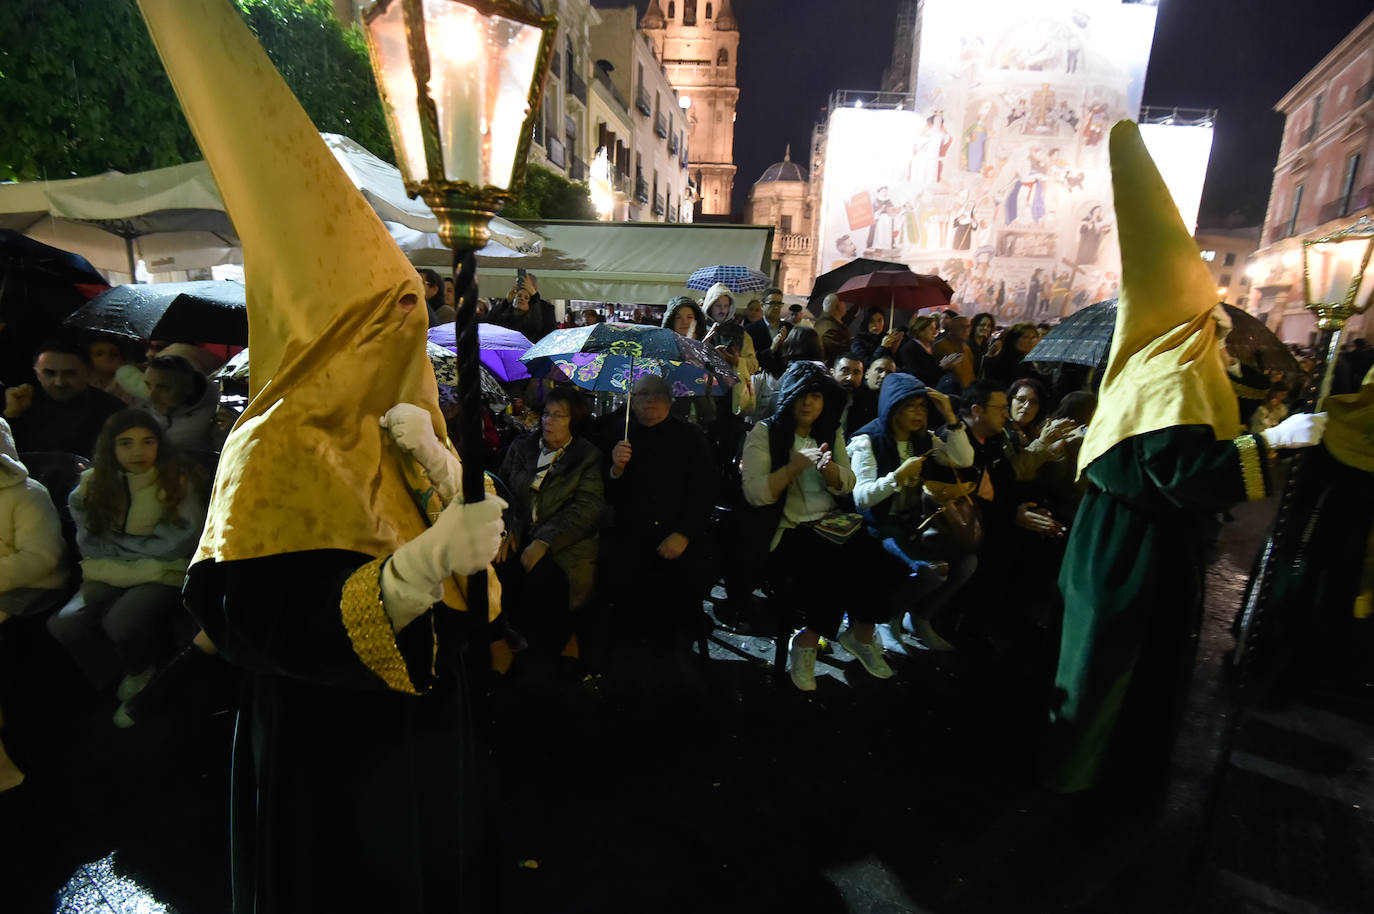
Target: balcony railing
(792, 243)
(577, 170)
(672, 144)
(641, 190)
(605, 79)
(577, 86)
(672, 214)
(643, 104)
(624, 184)
(659, 207)
(1306, 135)
(557, 152)
(556, 65)
(682, 156)
(660, 125)
(570, 126)
(1364, 93)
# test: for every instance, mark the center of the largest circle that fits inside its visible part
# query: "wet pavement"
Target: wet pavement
(691, 785)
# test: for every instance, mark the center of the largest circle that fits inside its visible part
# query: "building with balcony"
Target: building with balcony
(697, 42)
(1323, 180)
(781, 197)
(1227, 253)
(563, 134)
(657, 184)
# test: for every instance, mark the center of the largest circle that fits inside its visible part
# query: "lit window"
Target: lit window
(1209, 256)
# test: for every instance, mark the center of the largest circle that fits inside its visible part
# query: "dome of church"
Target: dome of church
(786, 170)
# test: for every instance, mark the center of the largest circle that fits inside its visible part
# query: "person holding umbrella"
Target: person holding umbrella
(662, 490)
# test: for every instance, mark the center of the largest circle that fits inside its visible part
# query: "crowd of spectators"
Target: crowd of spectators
(919, 476)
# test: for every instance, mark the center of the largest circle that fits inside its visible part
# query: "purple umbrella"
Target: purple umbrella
(501, 348)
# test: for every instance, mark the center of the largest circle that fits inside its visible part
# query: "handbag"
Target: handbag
(954, 526)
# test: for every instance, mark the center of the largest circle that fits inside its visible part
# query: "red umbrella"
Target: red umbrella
(897, 289)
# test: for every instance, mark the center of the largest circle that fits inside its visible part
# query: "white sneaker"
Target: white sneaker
(130, 686)
(801, 665)
(926, 632)
(868, 653)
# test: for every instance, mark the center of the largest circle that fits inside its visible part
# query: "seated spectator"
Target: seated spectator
(800, 344)
(1272, 411)
(107, 357)
(524, 311)
(662, 489)
(954, 342)
(874, 336)
(437, 303)
(888, 455)
(1031, 440)
(861, 404)
(830, 325)
(915, 355)
(138, 512)
(684, 316)
(795, 465)
(877, 373)
(547, 561)
(1005, 366)
(184, 401)
(66, 411)
(32, 572)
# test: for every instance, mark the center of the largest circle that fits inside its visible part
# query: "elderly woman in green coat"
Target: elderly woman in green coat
(547, 563)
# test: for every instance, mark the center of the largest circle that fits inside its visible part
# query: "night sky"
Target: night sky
(1239, 56)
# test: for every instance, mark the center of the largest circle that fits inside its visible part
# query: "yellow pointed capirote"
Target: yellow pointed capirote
(336, 314)
(1165, 368)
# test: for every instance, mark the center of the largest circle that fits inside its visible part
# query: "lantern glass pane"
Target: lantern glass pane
(391, 54)
(482, 68)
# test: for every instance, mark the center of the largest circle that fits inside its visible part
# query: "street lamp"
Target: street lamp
(460, 82)
(1333, 267)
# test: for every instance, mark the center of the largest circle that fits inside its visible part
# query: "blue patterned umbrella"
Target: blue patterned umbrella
(1083, 338)
(612, 356)
(735, 278)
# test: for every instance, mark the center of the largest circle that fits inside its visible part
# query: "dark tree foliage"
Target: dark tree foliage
(82, 90)
(549, 195)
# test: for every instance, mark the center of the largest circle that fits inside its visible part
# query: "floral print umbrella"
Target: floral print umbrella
(611, 357)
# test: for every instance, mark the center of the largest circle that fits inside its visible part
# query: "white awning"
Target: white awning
(630, 262)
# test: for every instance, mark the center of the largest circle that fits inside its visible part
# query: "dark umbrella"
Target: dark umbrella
(1085, 338)
(897, 290)
(212, 311)
(1082, 338)
(39, 286)
(831, 282)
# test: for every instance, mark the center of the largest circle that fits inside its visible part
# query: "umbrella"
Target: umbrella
(1082, 338)
(897, 289)
(445, 363)
(1085, 338)
(39, 287)
(500, 348)
(611, 357)
(211, 311)
(735, 278)
(831, 282)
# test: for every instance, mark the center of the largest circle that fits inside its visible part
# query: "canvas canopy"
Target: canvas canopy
(630, 262)
(173, 218)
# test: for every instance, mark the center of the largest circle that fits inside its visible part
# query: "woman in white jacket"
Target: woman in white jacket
(32, 573)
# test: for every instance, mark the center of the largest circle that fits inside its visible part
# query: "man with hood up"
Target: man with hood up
(794, 468)
(328, 561)
(888, 456)
(1163, 453)
(728, 336)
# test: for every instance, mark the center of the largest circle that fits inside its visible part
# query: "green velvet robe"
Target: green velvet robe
(347, 796)
(1132, 586)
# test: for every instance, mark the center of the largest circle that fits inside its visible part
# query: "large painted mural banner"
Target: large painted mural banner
(999, 180)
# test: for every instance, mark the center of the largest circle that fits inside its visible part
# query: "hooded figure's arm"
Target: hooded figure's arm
(1194, 470)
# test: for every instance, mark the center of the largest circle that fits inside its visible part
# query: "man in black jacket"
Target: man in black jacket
(662, 487)
(65, 412)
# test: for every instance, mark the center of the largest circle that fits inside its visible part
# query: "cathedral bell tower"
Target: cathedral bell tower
(697, 41)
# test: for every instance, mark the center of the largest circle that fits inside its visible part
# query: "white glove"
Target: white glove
(462, 541)
(1300, 430)
(413, 431)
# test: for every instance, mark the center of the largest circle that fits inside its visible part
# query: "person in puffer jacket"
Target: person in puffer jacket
(138, 513)
(32, 573)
